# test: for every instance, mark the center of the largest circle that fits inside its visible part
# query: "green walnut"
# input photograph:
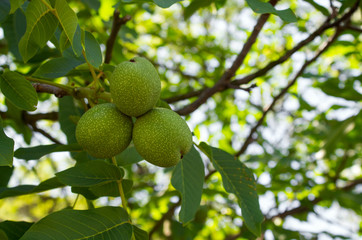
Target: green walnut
(103, 131)
(135, 86)
(162, 137)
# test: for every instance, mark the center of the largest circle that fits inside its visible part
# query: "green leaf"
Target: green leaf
(14, 230)
(320, 8)
(220, 3)
(90, 174)
(57, 67)
(139, 234)
(188, 179)
(111, 223)
(88, 194)
(35, 153)
(111, 188)
(77, 42)
(39, 19)
(5, 174)
(350, 200)
(28, 189)
(6, 148)
(346, 89)
(238, 179)
(67, 111)
(338, 132)
(92, 50)
(128, 156)
(14, 27)
(19, 91)
(15, 4)
(264, 7)
(67, 19)
(194, 6)
(4, 9)
(94, 4)
(165, 3)
(15, 118)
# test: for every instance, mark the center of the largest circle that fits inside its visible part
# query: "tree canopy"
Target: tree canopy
(271, 91)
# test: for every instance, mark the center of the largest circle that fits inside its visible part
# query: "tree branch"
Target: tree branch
(221, 85)
(229, 73)
(45, 88)
(250, 139)
(165, 216)
(304, 208)
(32, 118)
(326, 25)
(184, 96)
(354, 28)
(116, 26)
(45, 134)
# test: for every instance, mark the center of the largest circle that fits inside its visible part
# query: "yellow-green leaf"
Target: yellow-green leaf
(19, 91)
(40, 27)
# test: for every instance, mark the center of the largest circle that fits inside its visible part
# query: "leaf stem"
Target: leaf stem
(120, 188)
(95, 79)
(47, 5)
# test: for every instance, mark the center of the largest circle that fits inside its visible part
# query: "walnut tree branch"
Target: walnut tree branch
(222, 84)
(116, 26)
(45, 88)
(250, 139)
(229, 73)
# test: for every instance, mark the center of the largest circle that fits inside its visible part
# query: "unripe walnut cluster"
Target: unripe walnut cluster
(159, 135)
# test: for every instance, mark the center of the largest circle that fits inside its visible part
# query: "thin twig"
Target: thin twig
(116, 26)
(250, 139)
(165, 216)
(45, 134)
(354, 28)
(221, 86)
(229, 73)
(184, 96)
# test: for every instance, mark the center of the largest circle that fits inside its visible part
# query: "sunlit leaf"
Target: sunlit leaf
(101, 223)
(67, 19)
(15, 4)
(319, 7)
(39, 19)
(264, 7)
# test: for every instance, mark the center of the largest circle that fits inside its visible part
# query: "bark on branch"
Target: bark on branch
(250, 139)
(116, 26)
(225, 82)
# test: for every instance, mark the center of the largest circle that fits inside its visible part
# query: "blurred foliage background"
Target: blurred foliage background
(306, 152)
